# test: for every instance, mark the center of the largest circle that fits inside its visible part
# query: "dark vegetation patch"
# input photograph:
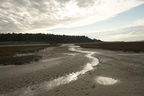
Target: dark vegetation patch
(20, 43)
(49, 38)
(124, 46)
(18, 60)
(7, 54)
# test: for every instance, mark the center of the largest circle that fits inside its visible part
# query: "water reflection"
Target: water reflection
(45, 86)
(105, 80)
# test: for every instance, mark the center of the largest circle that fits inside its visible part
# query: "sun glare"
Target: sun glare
(72, 9)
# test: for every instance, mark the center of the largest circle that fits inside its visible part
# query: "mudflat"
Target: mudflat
(126, 68)
(55, 62)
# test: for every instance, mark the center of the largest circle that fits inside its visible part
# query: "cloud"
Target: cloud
(139, 22)
(127, 34)
(28, 15)
(133, 32)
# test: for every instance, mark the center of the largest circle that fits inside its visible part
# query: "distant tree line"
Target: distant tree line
(39, 37)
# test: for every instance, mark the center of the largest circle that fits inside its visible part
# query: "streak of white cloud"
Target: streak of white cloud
(133, 32)
(139, 22)
(25, 15)
(130, 36)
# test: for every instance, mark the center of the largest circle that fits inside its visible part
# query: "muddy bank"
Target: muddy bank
(53, 65)
(21, 54)
(128, 70)
(118, 73)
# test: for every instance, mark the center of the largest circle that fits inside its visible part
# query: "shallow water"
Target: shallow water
(45, 86)
(20, 55)
(105, 80)
(71, 54)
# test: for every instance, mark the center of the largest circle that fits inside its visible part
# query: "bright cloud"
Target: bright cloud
(139, 22)
(129, 36)
(132, 32)
(28, 15)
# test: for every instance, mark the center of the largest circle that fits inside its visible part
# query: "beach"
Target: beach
(117, 74)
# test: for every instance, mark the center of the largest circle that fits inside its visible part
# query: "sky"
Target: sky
(107, 20)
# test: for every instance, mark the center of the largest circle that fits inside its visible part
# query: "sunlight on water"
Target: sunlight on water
(45, 86)
(20, 55)
(71, 54)
(105, 80)
(94, 61)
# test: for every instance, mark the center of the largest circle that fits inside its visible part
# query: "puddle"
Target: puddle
(45, 86)
(105, 80)
(27, 54)
(71, 54)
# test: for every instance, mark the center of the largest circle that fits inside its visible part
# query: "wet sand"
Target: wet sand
(53, 65)
(128, 70)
